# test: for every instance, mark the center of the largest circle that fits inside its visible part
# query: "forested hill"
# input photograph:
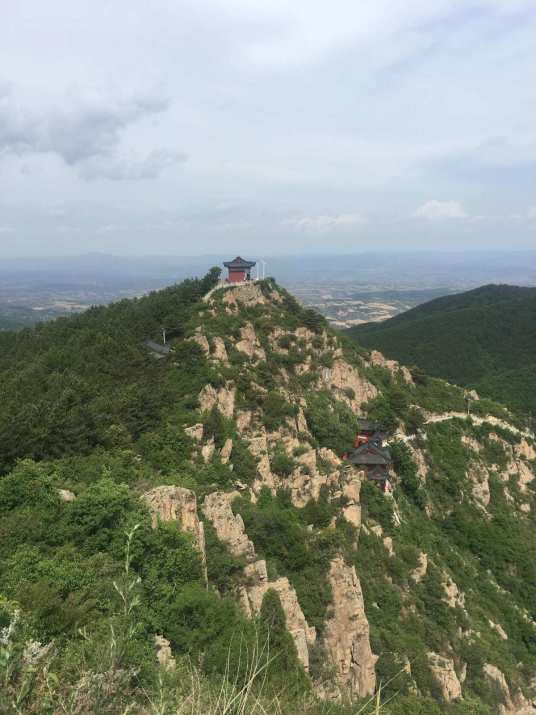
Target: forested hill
(484, 339)
(186, 533)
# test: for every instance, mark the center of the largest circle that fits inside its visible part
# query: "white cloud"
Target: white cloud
(324, 222)
(117, 168)
(85, 130)
(435, 210)
(7, 229)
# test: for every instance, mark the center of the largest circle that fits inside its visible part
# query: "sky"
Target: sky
(186, 127)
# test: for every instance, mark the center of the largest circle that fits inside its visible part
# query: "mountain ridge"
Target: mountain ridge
(227, 456)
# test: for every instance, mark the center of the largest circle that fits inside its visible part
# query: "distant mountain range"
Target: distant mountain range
(483, 338)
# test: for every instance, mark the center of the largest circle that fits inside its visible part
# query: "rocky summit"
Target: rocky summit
(266, 510)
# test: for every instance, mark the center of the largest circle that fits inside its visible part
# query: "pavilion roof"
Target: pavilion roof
(239, 262)
(370, 454)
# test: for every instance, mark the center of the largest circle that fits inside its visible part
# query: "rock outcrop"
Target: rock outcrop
(229, 527)
(394, 367)
(223, 399)
(170, 503)
(478, 475)
(347, 631)
(445, 675)
(252, 593)
(349, 385)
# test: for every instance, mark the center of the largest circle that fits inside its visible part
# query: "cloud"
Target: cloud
(7, 229)
(85, 130)
(435, 210)
(125, 168)
(325, 222)
(531, 213)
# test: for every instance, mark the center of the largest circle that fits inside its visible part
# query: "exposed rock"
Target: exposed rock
(195, 431)
(219, 351)
(453, 596)
(525, 508)
(207, 450)
(344, 378)
(394, 367)
(249, 294)
(229, 526)
(225, 451)
(223, 399)
(329, 456)
(445, 675)
(420, 461)
(472, 443)
(419, 572)
(164, 654)
(525, 475)
(170, 503)
(500, 630)
(202, 341)
(66, 495)
(252, 593)
(249, 345)
(497, 676)
(479, 478)
(243, 421)
(301, 422)
(525, 450)
(347, 631)
(388, 544)
(351, 491)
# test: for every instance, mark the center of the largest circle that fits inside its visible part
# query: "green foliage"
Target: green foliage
(275, 410)
(332, 423)
(406, 470)
(483, 339)
(284, 668)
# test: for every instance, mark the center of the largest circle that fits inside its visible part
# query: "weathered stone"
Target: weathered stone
(249, 345)
(257, 584)
(223, 399)
(195, 431)
(171, 503)
(245, 294)
(453, 596)
(229, 526)
(66, 495)
(219, 351)
(202, 341)
(225, 451)
(164, 654)
(394, 367)
(243, 421)
(207, 450)
(419, 572)
(499, 629)
(479, 478)
(497, 676)
(346, 380)
(347, 631)
(443, 671)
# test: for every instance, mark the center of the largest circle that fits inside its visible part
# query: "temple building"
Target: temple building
(370, 453)
(239, 270)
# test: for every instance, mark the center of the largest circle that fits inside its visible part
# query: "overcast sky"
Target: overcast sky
(271, 126)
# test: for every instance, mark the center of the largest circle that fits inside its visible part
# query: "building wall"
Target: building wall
(237, 276)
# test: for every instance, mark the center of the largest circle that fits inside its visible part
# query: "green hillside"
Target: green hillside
(184, 534)
(483, 339)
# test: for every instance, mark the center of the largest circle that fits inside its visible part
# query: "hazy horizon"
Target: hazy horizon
(228, 126)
